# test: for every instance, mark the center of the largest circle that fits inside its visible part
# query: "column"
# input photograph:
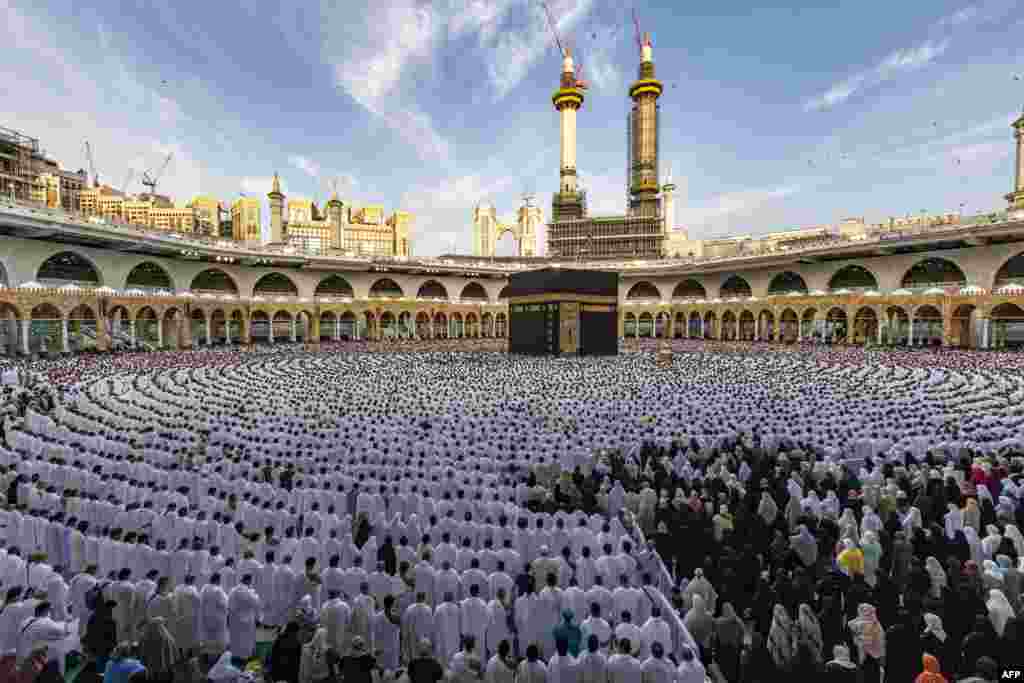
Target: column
(209, 329)
(160, 333)
(430, 328)
(270, 327)
(337, 328)
(986, 325)
(294, 330)
(702, 327)
(910, 333)
(227, 331)
(65, 343)
(131, 333)
(879, 332)
(757, 328)
(245, 329)
(25, 330)
(313, 330)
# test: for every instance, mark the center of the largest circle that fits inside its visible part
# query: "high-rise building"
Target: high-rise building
(644, 230)
(207, 214)
(246, 223)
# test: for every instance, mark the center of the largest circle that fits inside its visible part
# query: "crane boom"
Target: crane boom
(554, 30)
(151, 180)
(92, 165)
(636, 25)
(128, 178)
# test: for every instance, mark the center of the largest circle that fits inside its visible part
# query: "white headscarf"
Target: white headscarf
(223, 671)
(1013, 533)
(999, 610)
(933, 625)
(938, 576)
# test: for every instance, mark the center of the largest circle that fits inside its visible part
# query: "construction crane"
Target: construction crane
(128, 178)
(642, 39)
(92, 165)
(564, 49)
(151, 180)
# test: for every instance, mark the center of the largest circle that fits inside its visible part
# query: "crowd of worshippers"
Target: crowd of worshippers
(787, 561)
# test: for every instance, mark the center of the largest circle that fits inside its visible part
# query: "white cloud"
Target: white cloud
(739, 203)
(377, 57)
(305, 164)
(514, 52)
(893, 65)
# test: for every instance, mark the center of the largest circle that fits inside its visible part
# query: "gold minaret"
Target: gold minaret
(643, 131)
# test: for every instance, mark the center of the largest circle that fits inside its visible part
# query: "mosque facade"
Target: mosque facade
(68, 282)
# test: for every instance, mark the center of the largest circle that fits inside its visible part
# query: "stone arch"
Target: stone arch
(349, 323)
(764, 326)
(693, 323)
(386, 288)
(963, 326)
(928, 326)
(260, 327)
(440, 325)
(837, 324)
(150, 276)
(432, 289)
(629, 325)
(69, 267)
(787, 282)
(388, 324)
(473, 291)
(281, 325)
(503, 294)
(214, 280)
(275, 284)
(643, 290)
(735, 286)
(147, 324)
(1011, 272)
(710, 325)
(853, 277)
(1007, 326)
(730, 331)
(197, 326)
(661, 324)
(334, 285)
(646, 324)
(789, 326)
(865, 326)
(896, 325)
(329, 328)
(689, 289)
(747, 326)
(933, 272)
(423, 324)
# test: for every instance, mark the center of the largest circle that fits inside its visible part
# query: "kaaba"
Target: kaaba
(559, 312)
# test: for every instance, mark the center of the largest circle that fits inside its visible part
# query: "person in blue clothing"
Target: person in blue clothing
(122, 665)
(569, 630)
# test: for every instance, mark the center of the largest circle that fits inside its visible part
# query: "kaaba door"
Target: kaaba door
(569, 332)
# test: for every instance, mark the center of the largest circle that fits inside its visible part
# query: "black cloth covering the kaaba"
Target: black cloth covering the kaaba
(554, 280)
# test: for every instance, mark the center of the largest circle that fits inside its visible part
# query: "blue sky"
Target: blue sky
(773, 116)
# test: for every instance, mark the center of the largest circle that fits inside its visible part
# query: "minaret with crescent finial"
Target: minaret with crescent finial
(1016, 198)
(568, 99)
(276, 198)
(643, 136)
